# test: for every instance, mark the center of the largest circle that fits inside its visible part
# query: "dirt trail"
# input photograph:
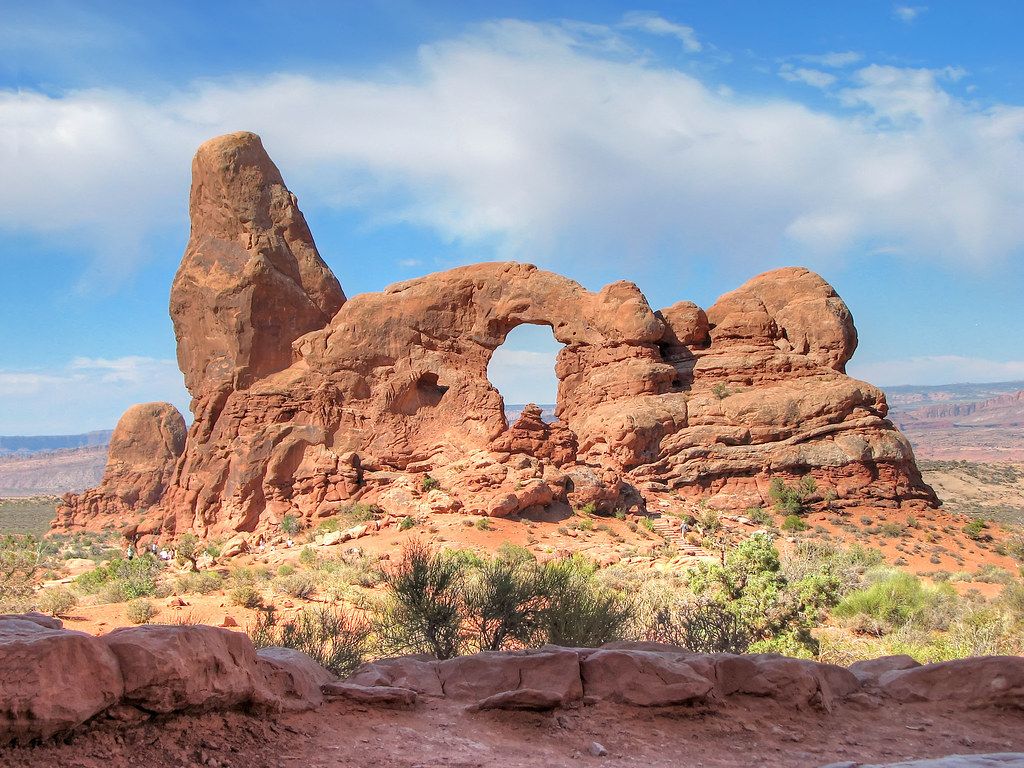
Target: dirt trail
(745, 732)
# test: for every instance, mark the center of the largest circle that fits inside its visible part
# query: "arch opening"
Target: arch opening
(522, 369)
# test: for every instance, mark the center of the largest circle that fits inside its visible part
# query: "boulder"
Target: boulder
(978, 682)
(178, 668)
(293, 680)
(642, 678)
(419, 674)
(53, 679)
(378, 695)
(870, 670)
(554, 672)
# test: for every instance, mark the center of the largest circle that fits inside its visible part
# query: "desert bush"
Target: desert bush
(21, 558)
(298, 585)
(187, 549)
(202, 583)
(140, 611)
(121, 580)
(336, 641)
(249, 576)
(285, 569)
(761, 516)
(429, 484)
(771, 609)
(247, 596)
(505, 600)
(290, 525)
(57, 601)
(579, 610)
(406, 524)
(976, 529)
(792, 499)
(721, 391)
(794, 524)
(702, 626)
(423, 605)
(896, 598)
(483, 524)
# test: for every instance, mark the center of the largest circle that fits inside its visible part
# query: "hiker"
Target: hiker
(130, 553)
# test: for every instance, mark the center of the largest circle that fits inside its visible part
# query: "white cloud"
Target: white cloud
(531, 136)
(908, 13)
(85, 394)
(409, 262)
(813, 77)
(833, 59)
(937, 369)
(656, 25)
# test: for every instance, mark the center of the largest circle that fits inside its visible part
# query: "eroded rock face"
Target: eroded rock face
(144, 450)
(304, 401)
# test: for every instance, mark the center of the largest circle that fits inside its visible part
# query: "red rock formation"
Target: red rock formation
(301, 406)
(144, 448)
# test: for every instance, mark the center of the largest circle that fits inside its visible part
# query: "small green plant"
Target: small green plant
(792, 500)
(58, 601)
(188, 550)
(587, 510)
(647, 523)
(246, 596)
(794, 524)
(429, 484)
(298, 585)
(892, 530)
(202, 583)
(976, 530)
(406, 524)
(140, 611)
(483, 524)
(285, 569)
(761, 516)
(336, 641)
(721, 391)
(307, 556)
(290, 525)
(586, 524)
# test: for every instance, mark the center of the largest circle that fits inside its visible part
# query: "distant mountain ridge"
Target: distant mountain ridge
(1004, 410)
(36, 443)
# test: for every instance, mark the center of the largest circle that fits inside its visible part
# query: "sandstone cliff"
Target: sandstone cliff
(304, 402)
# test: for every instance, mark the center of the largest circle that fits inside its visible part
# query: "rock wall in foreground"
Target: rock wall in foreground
(304, 401)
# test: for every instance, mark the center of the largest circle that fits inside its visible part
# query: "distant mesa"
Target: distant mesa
(304, 400)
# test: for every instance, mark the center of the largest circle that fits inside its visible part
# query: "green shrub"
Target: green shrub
(140, 611)
(299, 585)
(505, 600)
(579, 611)
(896, 598)
(721, 391)
(336, 641)
(290, 525)
(188, 549)
(587, 510)
(484, 524)
(247, 596)
(121, 580)
(57, 601)
(703, 626)
(647, 523)
(792, 500)
(976, 530)
(406, 524)
(308, 556)
(429, 484)
(21, 558)
(794, 524)
(422, 608)
(202, 583)
(892, 530)
(761, 516)
(285, 569)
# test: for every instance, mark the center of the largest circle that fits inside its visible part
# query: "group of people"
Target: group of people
(161, 552)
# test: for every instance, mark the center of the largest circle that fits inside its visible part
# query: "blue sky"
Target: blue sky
(685, 146)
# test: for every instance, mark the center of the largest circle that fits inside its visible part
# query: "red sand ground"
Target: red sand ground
(746, 732)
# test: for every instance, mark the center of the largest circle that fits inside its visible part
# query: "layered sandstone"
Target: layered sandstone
(304, 402)
(143, 452)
